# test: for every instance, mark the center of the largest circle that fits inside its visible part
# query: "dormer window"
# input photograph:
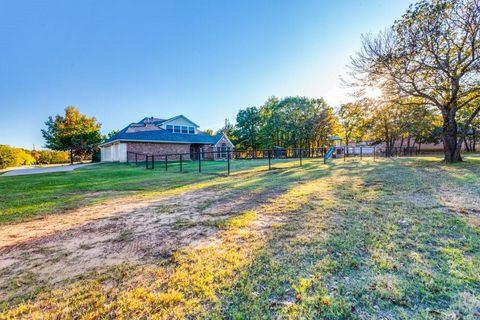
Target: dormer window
(169, 127)
(191, 130)
(176, 129)
(184, 129)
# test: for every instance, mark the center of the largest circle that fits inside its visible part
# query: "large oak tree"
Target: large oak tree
(74, 132)
(431, 53)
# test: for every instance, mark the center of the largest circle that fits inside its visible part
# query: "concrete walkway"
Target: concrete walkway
(36, 170)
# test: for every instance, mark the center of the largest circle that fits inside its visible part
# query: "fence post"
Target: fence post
(153, 162)
(374, 153)
(324, 157)
(344, 153)
(136, 159)
(269, 159)
(181, 158)
(166, 162)
(361, 153)
(146, 162)
(228, 162)
(301, 157)
(199, 162)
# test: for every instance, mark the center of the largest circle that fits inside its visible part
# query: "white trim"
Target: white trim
(152, 141)
(224, 135)
(180, 116)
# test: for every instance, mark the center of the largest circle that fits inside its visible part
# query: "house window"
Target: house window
(224, 150)
(184, 129)
(169, 127)
(176, 129)
(191, 130)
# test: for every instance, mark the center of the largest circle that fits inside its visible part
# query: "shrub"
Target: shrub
(23, 157)
(51, 157)
(7, 156)
(12, 157)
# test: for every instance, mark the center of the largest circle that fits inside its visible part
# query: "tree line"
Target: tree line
(14, 157)
(426, 67)
(291, 122)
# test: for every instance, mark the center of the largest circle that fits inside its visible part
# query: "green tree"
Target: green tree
(7, 156)
(74, 132)
(383, 122)
(431, 53)
(471, 128)
(352, 120)
(111, 134)
(293, 122)
(228, 129)
(419, 124)
(248, 127)
(12, 157)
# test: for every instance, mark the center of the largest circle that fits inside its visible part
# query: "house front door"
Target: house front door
(195, 151)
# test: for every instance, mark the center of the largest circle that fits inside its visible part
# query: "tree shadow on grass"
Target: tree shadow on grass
(247, 194)
(375, 253)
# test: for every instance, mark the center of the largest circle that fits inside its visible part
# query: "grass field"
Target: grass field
(26, 197)
(391, 239)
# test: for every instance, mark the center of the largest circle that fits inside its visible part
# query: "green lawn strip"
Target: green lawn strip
(30, 196)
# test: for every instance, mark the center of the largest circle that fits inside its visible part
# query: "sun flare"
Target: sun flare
(373, 93)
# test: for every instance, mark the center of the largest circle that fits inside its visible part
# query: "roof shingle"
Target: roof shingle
(157, 134)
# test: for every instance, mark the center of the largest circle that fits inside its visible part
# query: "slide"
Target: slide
(329, 153)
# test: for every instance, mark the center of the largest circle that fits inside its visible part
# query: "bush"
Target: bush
(51, 157)
(12, 157)
(59, 157)
(7, 156)
(23, 157)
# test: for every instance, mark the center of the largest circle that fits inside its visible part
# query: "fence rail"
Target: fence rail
(166, 160)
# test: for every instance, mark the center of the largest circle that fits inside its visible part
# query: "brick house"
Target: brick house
(154, 136)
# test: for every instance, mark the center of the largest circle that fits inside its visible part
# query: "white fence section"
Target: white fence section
(362, 150)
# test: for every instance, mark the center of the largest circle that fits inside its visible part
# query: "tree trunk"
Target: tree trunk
(71, 156)
(474, 146)
(467, 148)
(451, 146)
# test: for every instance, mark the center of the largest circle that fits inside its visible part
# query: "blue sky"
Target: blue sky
(122, 60)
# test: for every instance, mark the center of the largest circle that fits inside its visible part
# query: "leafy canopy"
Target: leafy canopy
(74, 132)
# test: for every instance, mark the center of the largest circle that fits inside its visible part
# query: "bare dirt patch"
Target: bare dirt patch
(130, 229)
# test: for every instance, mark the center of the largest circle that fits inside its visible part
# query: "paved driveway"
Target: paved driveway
(59, 168)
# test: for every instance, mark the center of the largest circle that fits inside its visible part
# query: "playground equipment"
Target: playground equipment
(328, 154)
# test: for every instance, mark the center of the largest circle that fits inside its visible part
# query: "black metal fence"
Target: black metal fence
(223, 159)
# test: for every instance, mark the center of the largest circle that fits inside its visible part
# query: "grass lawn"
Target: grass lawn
(29, 196)
(392, 239)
